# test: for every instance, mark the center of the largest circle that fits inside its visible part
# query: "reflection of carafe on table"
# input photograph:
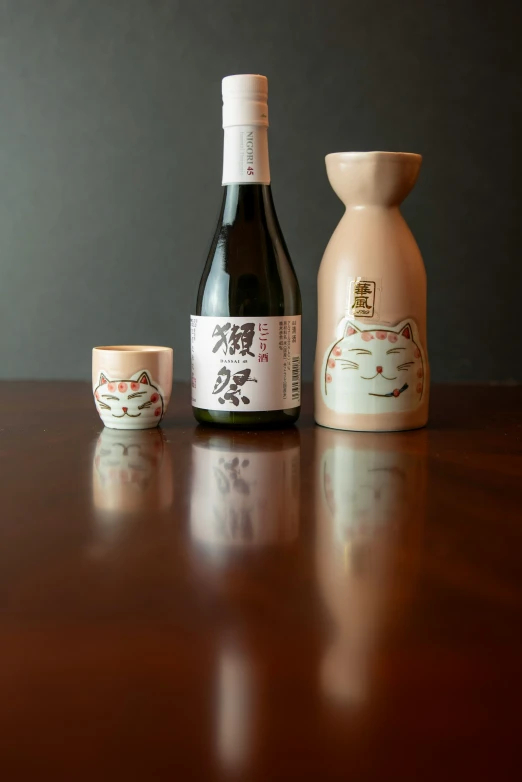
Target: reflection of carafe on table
(370, 501)
(245, 487)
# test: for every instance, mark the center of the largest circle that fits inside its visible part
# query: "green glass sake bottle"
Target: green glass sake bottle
(246, 333)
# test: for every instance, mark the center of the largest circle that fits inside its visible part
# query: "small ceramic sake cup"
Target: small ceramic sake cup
(131, 384)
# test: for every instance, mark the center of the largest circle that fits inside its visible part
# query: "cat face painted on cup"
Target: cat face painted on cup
(131, 403)
(374, 370)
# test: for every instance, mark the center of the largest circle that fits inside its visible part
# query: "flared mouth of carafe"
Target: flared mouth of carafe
(372, 178)
(376, 155)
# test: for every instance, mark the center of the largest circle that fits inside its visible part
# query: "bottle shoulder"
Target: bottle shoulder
(248, 269)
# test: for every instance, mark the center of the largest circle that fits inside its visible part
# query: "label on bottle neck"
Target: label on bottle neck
(245, 155)
(246, 364)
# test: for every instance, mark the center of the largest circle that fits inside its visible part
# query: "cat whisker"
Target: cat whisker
(144, 405)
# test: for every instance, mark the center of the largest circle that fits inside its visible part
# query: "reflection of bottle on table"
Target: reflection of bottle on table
(244, 516)
(370, 493)
(245, 487)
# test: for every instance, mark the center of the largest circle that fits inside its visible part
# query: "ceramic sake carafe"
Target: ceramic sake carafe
(371, 363)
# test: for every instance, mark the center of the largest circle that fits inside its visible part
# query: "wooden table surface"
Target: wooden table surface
(192, 604)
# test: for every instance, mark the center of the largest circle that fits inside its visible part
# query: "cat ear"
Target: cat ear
(406, 331)
(350, 329)
(145, 379)
(103, 379)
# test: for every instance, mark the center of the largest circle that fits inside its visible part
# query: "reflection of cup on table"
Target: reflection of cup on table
(132, 385)
(132, 471)
(245, 487)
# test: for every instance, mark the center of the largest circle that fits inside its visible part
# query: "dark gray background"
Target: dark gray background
(110, 162)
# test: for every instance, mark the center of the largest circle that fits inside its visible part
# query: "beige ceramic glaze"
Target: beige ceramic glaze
(132, 385)
(371, 364)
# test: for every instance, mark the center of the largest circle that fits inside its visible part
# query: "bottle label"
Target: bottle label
(243, 364)
(245, 155)
(374, 368)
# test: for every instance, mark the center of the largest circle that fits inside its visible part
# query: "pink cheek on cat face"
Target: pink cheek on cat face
(111, 387)
(97, 395)
(135, 386)
(157, 412)
(419, 373)
(416, 353)
(392, 337)
(331, 363)
(328, 378)
(350, 331)
(366, 336)
(337, 351)
(154, 398)
(381, 335)
(122, 387)
(419, 387)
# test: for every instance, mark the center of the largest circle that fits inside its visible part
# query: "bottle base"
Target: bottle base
(260, 419)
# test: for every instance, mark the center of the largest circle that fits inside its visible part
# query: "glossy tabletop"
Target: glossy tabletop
(193, 604)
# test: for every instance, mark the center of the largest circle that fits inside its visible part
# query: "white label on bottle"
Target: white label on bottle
(243, 364)
(245, 155)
